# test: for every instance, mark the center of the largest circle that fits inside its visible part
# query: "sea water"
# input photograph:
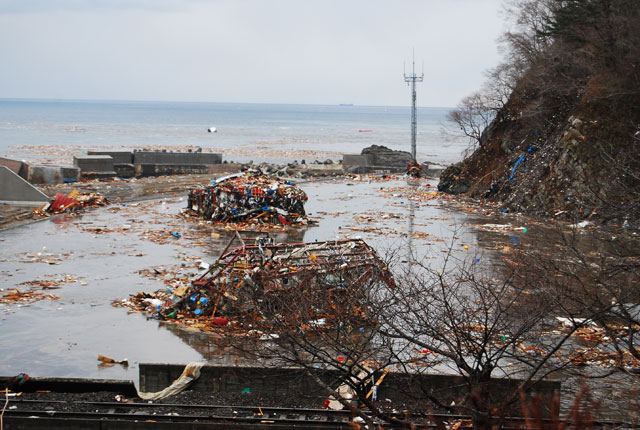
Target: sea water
(257, 132)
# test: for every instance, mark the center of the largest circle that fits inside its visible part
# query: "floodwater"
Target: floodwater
(110, 253)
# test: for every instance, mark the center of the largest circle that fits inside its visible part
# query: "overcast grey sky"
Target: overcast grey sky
(264, 51)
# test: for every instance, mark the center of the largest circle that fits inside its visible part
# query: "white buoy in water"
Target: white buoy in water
(212, 130)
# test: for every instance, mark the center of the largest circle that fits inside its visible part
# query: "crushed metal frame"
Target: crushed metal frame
(326, 274)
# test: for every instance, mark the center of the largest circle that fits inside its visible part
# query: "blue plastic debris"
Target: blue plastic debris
(513, 171)
(175, 234)
(515, 241)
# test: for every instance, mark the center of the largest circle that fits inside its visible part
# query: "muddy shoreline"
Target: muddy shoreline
(119, 191)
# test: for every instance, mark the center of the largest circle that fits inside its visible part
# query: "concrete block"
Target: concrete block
(16, 191)
(218, 169)
(18, 167)
(42, 174)
(169, 169)
(124, 170)
(432, 170)
(94, 163)
(176, 158)
(357, 163)
(119, 157)
(69, 173)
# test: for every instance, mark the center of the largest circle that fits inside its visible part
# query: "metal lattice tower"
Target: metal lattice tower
(411, 80)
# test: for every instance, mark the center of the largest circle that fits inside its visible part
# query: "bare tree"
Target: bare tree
(473, 116)
(476, 321)
(479, 322)
(521, 47)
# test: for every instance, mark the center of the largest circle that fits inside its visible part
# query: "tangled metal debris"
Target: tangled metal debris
(70, 203)
(320, 282)
(414, 169)
(249, 197)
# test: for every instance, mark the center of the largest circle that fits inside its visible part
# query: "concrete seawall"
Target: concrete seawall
(398, 387)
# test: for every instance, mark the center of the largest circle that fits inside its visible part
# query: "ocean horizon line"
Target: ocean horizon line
(344, 105)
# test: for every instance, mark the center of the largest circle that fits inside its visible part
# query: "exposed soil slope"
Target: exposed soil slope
(567, 142)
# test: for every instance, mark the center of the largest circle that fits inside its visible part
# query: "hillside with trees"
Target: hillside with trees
(555, 132)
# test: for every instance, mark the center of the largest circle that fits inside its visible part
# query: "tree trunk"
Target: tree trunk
(481, 420)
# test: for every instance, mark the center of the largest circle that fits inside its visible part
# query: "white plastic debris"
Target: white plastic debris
(581, 224)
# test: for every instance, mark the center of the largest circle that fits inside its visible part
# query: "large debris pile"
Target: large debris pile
(250, 197)
(318, 283)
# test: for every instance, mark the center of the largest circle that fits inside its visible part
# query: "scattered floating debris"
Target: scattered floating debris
(108, 360)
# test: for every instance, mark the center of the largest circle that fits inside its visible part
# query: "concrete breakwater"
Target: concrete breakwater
(127, 164)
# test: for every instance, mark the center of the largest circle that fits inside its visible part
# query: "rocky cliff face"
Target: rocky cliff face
(573, 168)
(567, 142)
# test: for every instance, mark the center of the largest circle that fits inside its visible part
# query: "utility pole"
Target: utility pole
(411, 80)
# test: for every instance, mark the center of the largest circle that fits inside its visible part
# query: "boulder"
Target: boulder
(386, 157)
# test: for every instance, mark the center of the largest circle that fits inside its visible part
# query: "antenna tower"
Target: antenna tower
(411, 80)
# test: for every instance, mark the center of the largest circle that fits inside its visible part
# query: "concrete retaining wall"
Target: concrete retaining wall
(94, 163)
(75, 385)
(16, 191)
(124, 170)
(356, 163)
(176, 158)
(265, 381)
(169, 169)
(119, 157)
(18, 167)
(399, 387)
(41, 174)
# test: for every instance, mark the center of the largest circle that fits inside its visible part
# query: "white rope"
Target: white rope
(190, 373)
(6, 402)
